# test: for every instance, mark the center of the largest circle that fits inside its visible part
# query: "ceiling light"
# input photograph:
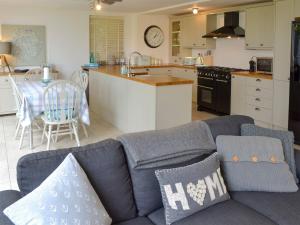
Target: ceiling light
(98, 5)
(195, 11)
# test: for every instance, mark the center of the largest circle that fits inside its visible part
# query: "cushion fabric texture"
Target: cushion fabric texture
(286, 137)
(145, 185)
(187, 190)
(225, 213)
(136, 221)
(65, 197)
(6, 199)
(252, 163)
(152, 149)
(282, 208)
(103, 162)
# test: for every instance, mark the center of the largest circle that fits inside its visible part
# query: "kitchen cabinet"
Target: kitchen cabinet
(194, 27)
(281, 104)
(238, 95)
(260, 27)
(252, 97)
(297, 8)
(7, 101)
(282, 50)
(188, 74)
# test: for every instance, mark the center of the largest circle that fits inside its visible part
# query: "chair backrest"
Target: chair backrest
(81, 78)
(62, 101)
(16, 92)
(34, 74)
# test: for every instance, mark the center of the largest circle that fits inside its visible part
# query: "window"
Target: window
(106, 38)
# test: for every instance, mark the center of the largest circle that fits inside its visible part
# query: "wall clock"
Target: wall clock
(154, 36)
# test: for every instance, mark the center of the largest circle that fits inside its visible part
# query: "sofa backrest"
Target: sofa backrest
(145, 185)
(103, 162)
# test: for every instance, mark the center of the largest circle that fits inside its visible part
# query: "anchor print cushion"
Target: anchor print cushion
(65, 197)
(187, 190)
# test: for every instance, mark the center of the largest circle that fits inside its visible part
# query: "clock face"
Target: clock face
(154, 37)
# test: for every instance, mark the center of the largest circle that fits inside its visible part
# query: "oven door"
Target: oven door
(206, 97)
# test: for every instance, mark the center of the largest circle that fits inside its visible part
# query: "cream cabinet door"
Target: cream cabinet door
(282, 59)
(252, 21)
(7, 101)
(238, 95)
(297, 8)
(281, 104)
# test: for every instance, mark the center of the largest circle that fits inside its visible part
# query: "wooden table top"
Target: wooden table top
(153, 80)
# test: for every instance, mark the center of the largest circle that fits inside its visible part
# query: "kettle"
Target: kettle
(252, 65)
(200, 60)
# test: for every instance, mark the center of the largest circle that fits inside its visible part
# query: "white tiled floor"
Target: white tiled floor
(10, 154)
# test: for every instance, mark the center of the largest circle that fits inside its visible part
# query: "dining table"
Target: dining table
(33, 107)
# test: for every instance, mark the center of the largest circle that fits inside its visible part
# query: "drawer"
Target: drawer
(4, 82)
(260, 102)
(262, 83)
(259, 92)
(260, 113)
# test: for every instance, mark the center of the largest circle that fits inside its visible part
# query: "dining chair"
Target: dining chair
(62, 104)
(19, 100)
(34, 74)
(81, 78)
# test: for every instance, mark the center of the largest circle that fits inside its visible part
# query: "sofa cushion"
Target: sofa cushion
(6, 199)
(225, 213)
(283, 208)
(136, 221)
(145, 185)
(103, 162)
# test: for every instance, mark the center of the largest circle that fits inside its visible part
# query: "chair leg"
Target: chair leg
(57, 130)
(49, 137)
(44, 133)
(70, 128)
(76, 134)
(84, 129)
(22, 137)
(17, 129)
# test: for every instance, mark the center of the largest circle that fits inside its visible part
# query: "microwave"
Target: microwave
(264, 65)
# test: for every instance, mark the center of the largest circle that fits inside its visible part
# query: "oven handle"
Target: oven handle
(209, 88)
(223, 81)
(206, 78)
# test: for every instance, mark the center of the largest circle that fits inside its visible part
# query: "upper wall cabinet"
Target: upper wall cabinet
(194, 27)
(297, 8)
(260, 27)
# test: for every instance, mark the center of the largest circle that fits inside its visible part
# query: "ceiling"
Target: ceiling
(133, 6)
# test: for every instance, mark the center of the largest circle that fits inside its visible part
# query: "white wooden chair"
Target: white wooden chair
(62, 104)
(34, 74)
(81, 78)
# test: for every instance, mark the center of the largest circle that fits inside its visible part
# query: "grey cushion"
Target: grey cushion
(6, 199)
(228, 125)
(286, 137)
(252, 163)
(283, 208)
(225, 213)
(190, 189)
(103, 162)
(146, 189)
(136, 221)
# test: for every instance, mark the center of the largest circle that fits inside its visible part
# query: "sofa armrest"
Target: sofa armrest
(6, 199)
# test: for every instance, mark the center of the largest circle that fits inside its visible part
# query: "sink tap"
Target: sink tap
(129, 62)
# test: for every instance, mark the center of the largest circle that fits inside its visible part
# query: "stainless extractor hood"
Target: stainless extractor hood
(231, 28)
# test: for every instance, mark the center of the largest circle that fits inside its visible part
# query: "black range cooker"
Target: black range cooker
(214, 89)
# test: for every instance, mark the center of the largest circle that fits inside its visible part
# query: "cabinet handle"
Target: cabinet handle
(258, 89)
(147, 69)
(257, 109)
(261, 44)
(257, 99)
(247, 44)
(258, 80)
(6, 80)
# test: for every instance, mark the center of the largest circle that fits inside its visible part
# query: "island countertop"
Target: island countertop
(153, 80)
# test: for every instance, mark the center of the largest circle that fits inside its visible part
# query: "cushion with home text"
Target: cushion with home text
(187, 190)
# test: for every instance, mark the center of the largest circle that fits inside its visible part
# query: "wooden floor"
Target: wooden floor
(10, 154)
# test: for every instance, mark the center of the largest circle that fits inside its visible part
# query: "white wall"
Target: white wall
(135, 26)
(67, 33)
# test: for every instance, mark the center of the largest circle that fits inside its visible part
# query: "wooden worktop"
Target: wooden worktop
(254, 75)
(166, 66)
(153, 80)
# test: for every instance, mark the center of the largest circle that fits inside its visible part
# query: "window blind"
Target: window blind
(106, 38)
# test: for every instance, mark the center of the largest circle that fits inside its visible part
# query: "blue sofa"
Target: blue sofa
(132, 197)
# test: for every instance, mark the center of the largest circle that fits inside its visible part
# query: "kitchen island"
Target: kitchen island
(140, 103)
